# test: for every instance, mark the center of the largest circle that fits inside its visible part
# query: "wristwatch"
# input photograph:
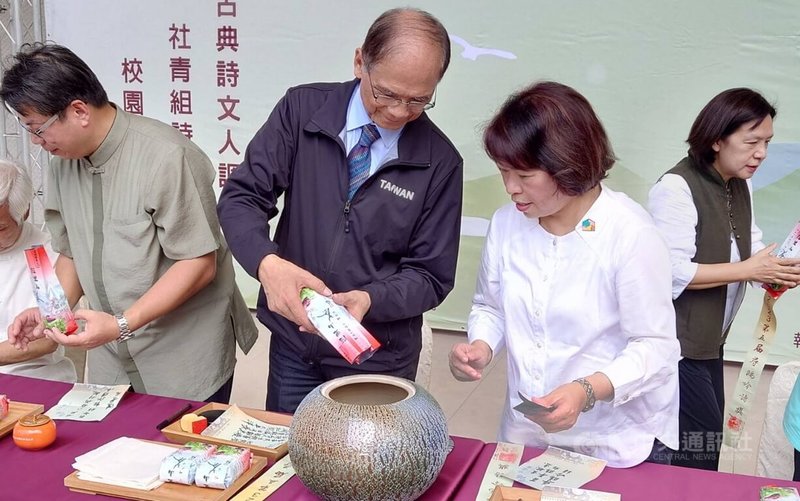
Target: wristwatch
(124, 331)
(590, 398)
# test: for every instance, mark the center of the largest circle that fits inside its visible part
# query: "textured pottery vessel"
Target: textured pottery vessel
(368, 437)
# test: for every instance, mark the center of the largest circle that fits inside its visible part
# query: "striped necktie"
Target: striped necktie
(358, 160)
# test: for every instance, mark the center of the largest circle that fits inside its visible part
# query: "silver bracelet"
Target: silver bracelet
(590, 398)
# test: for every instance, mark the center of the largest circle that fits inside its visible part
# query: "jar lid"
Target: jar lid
(34, 420)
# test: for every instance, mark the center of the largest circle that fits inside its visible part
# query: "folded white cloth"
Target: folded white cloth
(125, 461)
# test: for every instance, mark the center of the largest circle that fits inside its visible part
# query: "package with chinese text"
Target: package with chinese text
(775, 493)
(789, 249)
(180, 467)
(49, 294)
(221, 469)
(339, 327)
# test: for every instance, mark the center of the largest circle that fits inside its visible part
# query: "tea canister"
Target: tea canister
(34, 432)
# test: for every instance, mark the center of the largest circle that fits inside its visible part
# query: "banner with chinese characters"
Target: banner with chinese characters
(215, 69)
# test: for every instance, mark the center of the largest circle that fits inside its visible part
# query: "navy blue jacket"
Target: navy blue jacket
(397, 239)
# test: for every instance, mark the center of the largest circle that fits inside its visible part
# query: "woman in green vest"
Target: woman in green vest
(703, 207)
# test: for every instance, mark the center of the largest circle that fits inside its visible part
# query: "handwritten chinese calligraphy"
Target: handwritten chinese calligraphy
(237, 426)
(88, 402)
(737, 407)
(559, 467)
(267, 483)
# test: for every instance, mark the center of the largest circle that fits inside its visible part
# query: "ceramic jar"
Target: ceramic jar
(368, 437)
(34, 432)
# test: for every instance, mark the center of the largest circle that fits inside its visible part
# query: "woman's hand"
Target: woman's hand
(467, 361)
(769, 269)
(567, 401)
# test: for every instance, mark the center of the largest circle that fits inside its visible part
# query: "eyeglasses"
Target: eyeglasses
(40, 130)
(414, 105)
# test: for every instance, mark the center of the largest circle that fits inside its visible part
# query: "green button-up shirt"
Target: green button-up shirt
(138, 204)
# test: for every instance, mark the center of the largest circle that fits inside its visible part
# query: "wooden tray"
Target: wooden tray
(17, 411)
(167, 491)
(176, 434)
(503, 493)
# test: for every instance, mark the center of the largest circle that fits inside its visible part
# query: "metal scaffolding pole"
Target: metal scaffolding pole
(3, 118)
(37, 21)
(21, 21)
(25, 142)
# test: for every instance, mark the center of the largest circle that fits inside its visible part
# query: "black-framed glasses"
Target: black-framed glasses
(414, 105)
(40, 130)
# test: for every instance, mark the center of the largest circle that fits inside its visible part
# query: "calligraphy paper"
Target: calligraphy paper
(88, 402)
(738, 405)
(237, 426)
(269, 482)
(501, 469)
(559, 467)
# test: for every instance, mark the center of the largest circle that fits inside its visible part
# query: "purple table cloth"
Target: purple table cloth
(39, 475)
(455, 469)
(650, 482)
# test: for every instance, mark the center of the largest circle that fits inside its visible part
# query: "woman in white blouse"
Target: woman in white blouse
(703, 207)
(575, 284)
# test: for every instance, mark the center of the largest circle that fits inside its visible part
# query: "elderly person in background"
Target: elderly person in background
(44, 358)
(575, 283)
(704, 208)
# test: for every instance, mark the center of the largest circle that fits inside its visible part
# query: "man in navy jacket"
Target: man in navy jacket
(387, 252)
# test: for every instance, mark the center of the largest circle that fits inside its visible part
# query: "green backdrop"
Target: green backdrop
(647, 67)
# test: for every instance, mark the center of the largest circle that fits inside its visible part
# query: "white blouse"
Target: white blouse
(596, 299)
(671, 204)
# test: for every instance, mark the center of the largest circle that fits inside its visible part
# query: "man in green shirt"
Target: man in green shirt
(131, 210)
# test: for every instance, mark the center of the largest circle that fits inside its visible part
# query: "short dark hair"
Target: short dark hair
(46, 78)
(552, 127)
(393, 26)
(723, 116)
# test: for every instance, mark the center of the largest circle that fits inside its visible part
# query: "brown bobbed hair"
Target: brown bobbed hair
(723, 116)
(552, 127)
